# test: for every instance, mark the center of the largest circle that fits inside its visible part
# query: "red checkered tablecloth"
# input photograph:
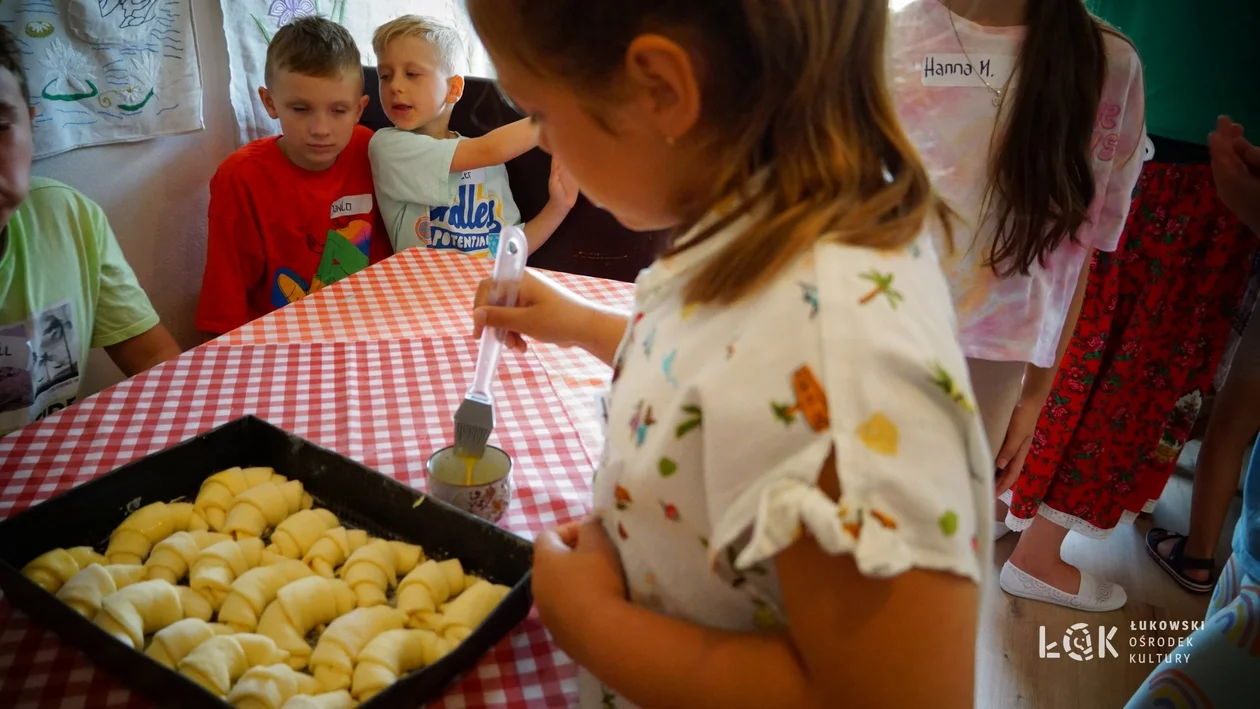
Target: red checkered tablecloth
(426, 293)
(385, 403)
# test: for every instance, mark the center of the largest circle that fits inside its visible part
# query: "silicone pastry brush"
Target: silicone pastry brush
(474, 419)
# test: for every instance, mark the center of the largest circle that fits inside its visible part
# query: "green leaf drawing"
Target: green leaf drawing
(692, 422)
(262, 28)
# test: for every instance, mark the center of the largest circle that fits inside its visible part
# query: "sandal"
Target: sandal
(1177, 563)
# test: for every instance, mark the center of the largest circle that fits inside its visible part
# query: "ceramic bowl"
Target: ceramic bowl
(489, 494)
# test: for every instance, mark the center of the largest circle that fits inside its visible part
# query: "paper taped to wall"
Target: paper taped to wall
(107, 71)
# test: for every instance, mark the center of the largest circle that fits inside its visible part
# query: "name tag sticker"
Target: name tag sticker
(473, 177)
(349, 206)
(957, 70)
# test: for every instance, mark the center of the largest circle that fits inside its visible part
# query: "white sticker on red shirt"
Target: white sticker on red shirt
(351, 205)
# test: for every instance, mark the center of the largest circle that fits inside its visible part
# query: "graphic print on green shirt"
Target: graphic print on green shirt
(65, 287)
(40, 367)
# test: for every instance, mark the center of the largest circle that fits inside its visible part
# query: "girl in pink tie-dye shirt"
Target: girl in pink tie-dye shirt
(1030, 115)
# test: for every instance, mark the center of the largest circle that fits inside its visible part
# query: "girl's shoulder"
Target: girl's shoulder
(851, 351)
(1122, 56)
(871, 298)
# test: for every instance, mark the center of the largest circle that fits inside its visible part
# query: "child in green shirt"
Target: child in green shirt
(65, 286)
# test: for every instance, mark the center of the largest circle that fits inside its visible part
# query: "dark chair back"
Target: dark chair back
(590, 242)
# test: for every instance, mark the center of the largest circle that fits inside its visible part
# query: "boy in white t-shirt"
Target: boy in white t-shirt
(436, 188)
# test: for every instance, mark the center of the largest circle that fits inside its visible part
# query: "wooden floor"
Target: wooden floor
(1012, 675)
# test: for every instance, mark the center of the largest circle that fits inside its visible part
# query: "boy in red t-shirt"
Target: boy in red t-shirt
(294, 213)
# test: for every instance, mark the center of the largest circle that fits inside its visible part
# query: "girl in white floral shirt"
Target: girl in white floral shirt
(793, 502)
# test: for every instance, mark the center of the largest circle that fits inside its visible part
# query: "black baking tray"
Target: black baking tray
(359, 496)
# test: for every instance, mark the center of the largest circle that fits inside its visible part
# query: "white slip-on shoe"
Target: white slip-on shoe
(1000, 530)
(1094, 595)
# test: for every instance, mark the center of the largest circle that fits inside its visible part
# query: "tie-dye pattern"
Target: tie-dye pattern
(1017, 318)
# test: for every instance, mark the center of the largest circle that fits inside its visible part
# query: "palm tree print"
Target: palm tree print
(55, 329)
(883, 285)
(44, 360)
(944, 381)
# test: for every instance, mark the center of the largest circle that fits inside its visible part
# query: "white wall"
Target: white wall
(156, 193)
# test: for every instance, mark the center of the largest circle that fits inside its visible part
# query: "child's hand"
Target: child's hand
(1019, 434)
(563, 188)
(1236, 171)
(544, 311)
(576, 568)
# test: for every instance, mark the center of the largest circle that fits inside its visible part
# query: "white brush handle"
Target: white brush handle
(505, 285)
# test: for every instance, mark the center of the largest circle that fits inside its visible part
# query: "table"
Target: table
(359, 368)
(423, 293)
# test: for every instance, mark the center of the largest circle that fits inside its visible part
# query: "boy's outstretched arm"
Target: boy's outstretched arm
(496, 147)
(144, 351)
(564, 192)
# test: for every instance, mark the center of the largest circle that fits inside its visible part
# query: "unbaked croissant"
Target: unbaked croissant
(219, 565)
(428, 586)
(298, 608)
(255, 589)
(85, 591)
(393, 654)
(217, 491)
(295, 536)
(131, 541)
(142, 608)
(333, 548)
(263, 506)
(270, 687)
(52, 569)
(218, 662)
(462, 615)
(173, 643)
(332, 663)
(374, 569)
(328, 700)
(406, 556)
(172, 557)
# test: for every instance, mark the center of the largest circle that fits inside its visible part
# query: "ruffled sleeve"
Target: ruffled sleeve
(856, 352)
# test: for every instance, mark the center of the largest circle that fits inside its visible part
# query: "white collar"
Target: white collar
(671, 272)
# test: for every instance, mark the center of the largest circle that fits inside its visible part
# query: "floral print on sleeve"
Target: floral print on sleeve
(729, 415)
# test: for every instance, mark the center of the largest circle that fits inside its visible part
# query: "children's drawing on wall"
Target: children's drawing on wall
(250, 24)
(107, 71)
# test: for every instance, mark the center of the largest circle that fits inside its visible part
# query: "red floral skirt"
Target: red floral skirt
(1156, 317)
